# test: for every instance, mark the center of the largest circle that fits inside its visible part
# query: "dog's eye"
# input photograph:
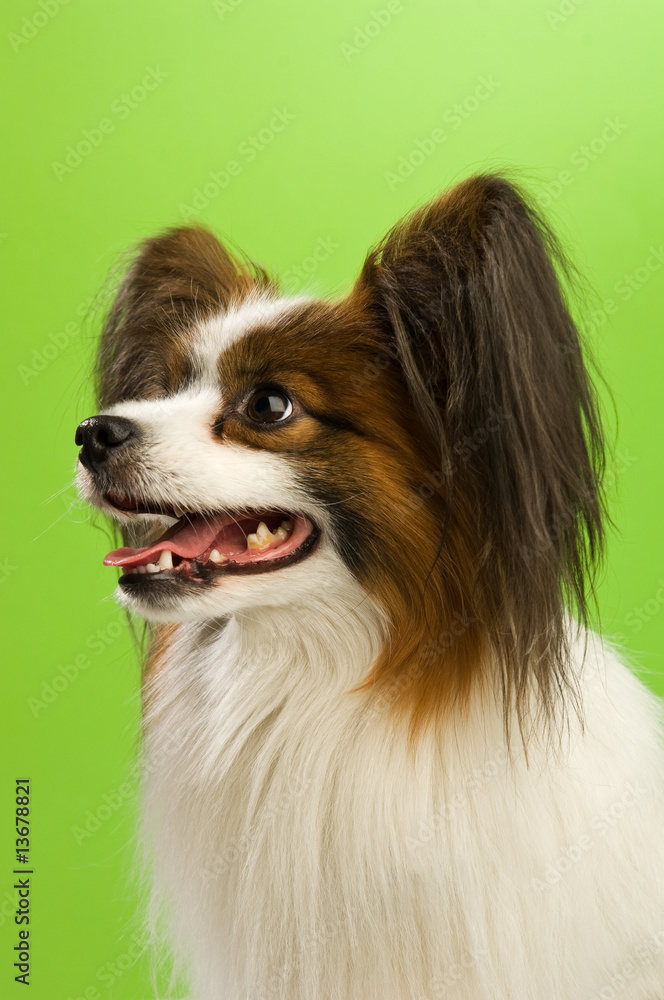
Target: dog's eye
(267, 406)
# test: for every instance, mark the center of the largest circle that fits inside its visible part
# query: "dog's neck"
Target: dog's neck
(332, 640)
(221, 680)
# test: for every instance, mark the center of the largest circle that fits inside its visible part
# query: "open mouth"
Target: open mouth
(200, 547)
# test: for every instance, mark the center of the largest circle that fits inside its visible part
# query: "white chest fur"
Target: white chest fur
(305, 853)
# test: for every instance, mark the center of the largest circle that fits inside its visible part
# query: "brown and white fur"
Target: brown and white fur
(395, 765)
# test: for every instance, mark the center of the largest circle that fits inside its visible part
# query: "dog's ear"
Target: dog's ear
(467, 297)
(177, 278)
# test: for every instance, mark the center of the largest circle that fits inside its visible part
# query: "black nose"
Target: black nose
(99, 437)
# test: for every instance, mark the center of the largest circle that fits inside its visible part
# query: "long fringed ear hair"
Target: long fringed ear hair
(468, 299)
(177, 279)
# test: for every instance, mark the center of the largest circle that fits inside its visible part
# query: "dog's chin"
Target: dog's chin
(173, 597)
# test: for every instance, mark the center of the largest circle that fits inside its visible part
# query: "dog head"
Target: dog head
(432, 438)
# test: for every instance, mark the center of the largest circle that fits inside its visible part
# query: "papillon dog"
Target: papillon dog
(385, 755)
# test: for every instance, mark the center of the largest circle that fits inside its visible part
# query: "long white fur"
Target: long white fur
(304, 852)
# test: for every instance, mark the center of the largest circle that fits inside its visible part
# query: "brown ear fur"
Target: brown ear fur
(179, 277)
(468, 299)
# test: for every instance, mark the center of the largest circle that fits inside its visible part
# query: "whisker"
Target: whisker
(54, 496)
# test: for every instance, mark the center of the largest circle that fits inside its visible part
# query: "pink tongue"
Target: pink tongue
(189, 538)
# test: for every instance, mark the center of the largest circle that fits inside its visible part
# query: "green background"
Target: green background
(571, 99)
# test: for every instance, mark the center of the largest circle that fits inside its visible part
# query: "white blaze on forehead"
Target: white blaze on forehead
(224, 329)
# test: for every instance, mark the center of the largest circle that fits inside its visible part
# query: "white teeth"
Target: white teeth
(142, 569)
(166, 559)
(263, 533)
(217, 557)
(152, 568)
(178, 511)
(262, 537)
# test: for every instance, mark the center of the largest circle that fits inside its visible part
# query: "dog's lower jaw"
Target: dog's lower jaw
(306, 852)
